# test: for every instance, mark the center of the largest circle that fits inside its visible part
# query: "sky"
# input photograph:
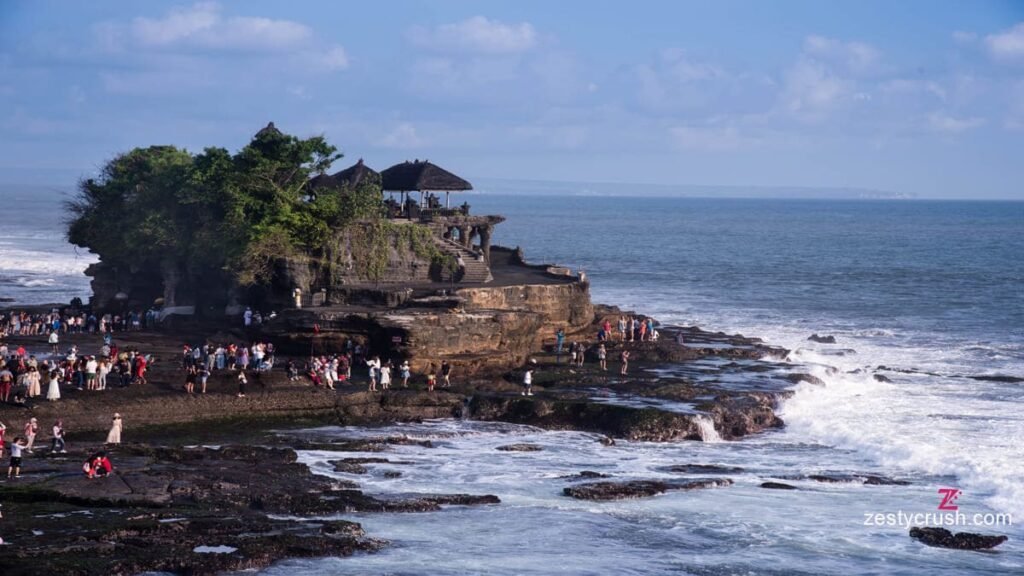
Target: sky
(912, 97)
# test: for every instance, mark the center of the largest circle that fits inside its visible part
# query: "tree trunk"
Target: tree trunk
(172, 278)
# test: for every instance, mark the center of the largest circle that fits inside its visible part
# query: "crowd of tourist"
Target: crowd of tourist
(72, 322)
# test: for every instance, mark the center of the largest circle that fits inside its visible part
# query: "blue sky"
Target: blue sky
(918, 97)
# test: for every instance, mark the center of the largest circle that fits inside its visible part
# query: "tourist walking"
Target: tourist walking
(625, 362)
(559, 340)
(242, 381)
(114, 436)
(528, 381)
(54, 341)
(431, 378)
(57, 446)
(602, 357)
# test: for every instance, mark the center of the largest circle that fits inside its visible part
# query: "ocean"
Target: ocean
(929, 294)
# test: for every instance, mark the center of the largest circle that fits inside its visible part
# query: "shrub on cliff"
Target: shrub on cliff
(214, 219)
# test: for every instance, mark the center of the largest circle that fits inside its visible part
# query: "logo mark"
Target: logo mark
(949, 496)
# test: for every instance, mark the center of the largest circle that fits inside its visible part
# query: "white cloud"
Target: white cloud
(204, 25)
(334, 58)
(476, 35)
(856, 56)
(812, 87)
(946, 124)
(1007, 45)
(828, 75)
(402, 137)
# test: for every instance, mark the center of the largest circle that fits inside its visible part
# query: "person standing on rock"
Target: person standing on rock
(446, 374)
(297, 296)
(385, 376)
(31, 429)
(57, 446)
(203, 375)
(625, 362)
(53, 389)
(247, 317)
(114, 436)
(6, 382)
(528, 380)
(15, 466)
(559, 341)
(602, 356)
(32, 382)
(190, 379)
(405, 372)
(54, 341)
(242, 381)
(373, 364)
(431, 378)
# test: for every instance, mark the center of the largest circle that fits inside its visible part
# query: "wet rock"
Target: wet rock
(637, 488)
(392, 474)
(585, 475)
(802, 377)
(777, 486)
(998, 378)
(703, 469)
(736, 416)
(366, 461)
(348, 467)
(881, 378)
(942, 538)
(869, 479)
(433, 502)
(520, 448)
(607, 441)
(822, 339)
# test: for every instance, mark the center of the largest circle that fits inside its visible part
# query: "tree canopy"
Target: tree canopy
(165, 208)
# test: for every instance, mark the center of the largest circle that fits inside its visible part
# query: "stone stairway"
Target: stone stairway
(474, 270)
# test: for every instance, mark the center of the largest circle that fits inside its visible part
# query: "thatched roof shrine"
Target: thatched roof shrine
(421, 176)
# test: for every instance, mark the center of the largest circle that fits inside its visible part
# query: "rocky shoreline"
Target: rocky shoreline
(165, 505)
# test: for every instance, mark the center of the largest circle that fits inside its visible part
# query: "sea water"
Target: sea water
(928, 294)
(37, 265)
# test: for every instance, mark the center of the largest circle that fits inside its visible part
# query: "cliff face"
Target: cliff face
(495, 329)
(564, 306)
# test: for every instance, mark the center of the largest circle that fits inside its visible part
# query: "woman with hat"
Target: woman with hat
(114, 436)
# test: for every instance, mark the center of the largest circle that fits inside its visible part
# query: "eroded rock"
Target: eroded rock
(637, 488)
(942, 538)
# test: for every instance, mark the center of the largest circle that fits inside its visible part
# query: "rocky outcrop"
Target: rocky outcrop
(194, 511)
(637, 488)
(942, 538)
(648, 424)
(736, 416)
(777, 486)
(520, 448)
(837, 478)
(822, 339)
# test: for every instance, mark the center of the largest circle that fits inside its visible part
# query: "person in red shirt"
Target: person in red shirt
(140, 369)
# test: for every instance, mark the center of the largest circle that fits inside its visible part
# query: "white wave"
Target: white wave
(707, 429)
(34, 282)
